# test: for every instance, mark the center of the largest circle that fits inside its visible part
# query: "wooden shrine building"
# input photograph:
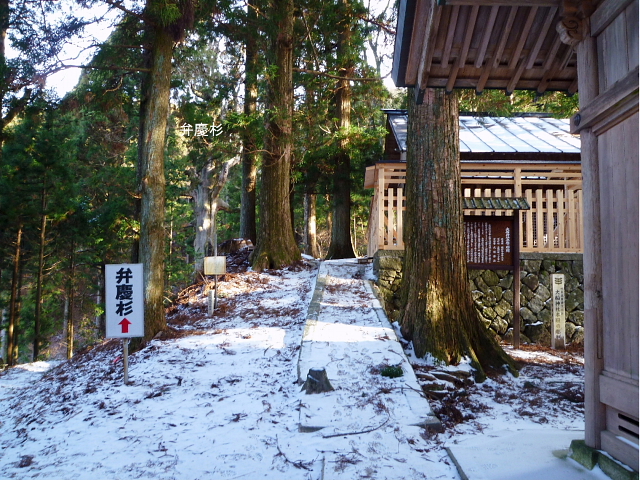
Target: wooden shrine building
(588, 46)
(531, 156)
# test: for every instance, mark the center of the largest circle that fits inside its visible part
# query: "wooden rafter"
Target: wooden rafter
(471, 25)
(448, 43)
(541, 37)
(524, 34)
(486, 37)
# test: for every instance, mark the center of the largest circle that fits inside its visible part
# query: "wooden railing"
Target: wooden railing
(554, 192)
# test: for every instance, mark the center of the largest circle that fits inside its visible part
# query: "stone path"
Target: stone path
(348, 334)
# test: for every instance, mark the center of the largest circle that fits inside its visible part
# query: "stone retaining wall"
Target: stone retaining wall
(492, 293)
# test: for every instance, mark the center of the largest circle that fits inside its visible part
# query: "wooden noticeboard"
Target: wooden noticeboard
(493, 244)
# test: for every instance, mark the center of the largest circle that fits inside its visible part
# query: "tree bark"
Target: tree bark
(276, 243)
(341, 246)
(152, 232)
(68, 320)
(38, 315)
(12, 331)
(206, 188)
(310, 226)
(439, 315)
(249, 144)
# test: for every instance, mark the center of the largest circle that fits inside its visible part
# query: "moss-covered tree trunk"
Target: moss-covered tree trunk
(152, 186)
(276, 244)
(439, 315)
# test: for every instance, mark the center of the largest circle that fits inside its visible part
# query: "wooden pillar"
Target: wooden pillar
(595, 415)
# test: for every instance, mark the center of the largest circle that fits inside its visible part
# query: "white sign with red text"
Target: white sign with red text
(124, 300)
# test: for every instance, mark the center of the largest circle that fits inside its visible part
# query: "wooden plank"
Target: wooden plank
(551, 231)
(580, 224)
(380, 193)
(619, 394)
(559, 65)
(617, 419)
(427, 50)
(542, 35)
(561, 219)
(539, 219)
(619, 449)
(529, 219)
(470, 27)
(488, 30)
(505, 3)
(453, 21)
(389, 224)
(615, 58)
(606, 13)
(400, 213)
(633, 36)
(606, 104)
(524, 34)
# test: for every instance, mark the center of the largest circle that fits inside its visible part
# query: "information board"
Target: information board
(124, 300)
(490, 241)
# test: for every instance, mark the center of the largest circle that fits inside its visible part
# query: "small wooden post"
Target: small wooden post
(125, 359)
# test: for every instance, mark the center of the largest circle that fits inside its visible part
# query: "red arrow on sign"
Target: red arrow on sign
(125, 325)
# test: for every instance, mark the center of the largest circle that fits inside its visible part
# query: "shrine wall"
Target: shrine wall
(492, 292)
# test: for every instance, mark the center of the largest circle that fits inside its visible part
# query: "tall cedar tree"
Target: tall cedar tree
(166, 25)
(249, 142)
(341, 246)
(276, 243)
(439, 315)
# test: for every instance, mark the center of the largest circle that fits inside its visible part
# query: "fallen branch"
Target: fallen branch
(298, 464)
(358, 433)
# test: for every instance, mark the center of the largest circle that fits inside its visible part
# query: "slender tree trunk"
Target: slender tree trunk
(249, 144)
(276, 244)
(38, 315)
(439, 315)
(310, 227)
(12, 331)
(206, 187)
(152, 185)
(341, 246)
(70, 333)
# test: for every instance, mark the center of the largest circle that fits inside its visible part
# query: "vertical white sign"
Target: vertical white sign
(124, 300)
(557, 325)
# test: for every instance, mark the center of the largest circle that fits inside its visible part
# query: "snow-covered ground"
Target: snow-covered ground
(217, 398)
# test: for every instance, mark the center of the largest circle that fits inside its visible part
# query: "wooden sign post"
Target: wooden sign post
(493, 244)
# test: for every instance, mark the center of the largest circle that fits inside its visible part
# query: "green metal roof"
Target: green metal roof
(495, 203)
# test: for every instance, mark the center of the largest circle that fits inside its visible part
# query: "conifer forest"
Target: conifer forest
(192, 122)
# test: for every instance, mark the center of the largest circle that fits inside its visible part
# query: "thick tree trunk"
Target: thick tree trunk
(249, 144)
(310, 226)
(341, 246)
(152, 232)
(12, 331)
(439, 315)
(276, 243)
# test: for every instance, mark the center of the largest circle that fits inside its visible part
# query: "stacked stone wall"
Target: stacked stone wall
(492, 293)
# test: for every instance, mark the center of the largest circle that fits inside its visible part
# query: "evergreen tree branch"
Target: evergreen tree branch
(338, 77)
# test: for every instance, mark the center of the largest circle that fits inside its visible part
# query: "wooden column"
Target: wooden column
(595, 416)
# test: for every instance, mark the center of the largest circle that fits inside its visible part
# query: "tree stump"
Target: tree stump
(317, 381)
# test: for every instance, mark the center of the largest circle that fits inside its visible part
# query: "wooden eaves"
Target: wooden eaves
(502, 44)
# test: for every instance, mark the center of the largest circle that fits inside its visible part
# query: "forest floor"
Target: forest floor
(218, 397)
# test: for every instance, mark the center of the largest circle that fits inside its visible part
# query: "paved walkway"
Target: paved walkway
(348, 334)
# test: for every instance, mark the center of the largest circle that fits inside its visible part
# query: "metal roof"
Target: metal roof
(527, 134)
(495, 203)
